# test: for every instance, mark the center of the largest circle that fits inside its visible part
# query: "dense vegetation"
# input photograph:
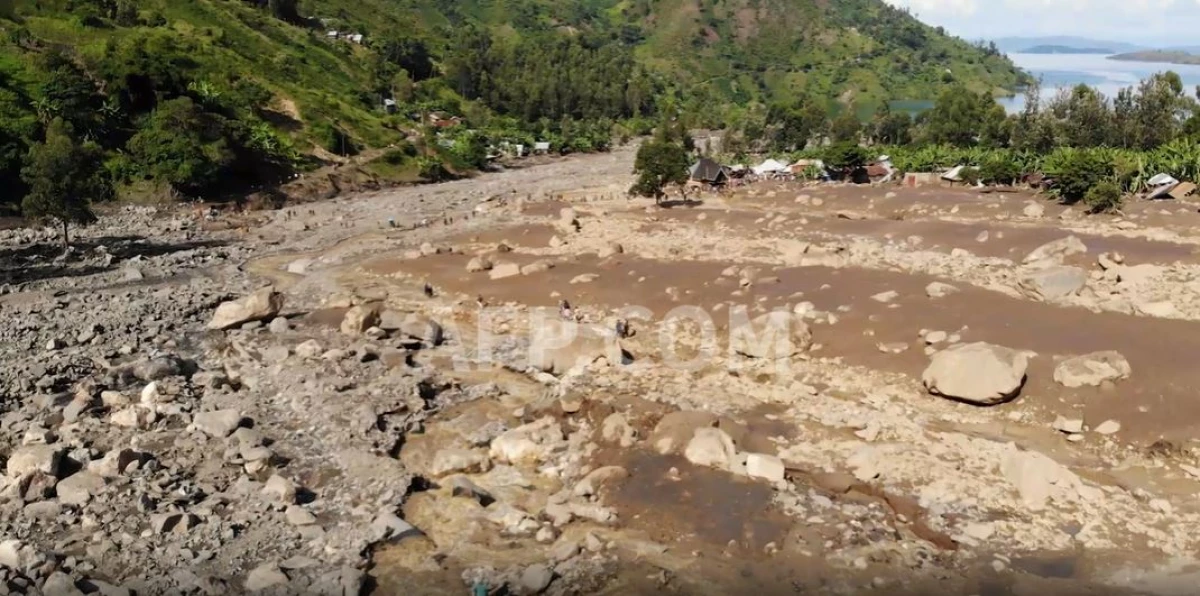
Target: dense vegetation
(211, 98)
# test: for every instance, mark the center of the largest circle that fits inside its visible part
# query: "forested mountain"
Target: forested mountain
(201, 97)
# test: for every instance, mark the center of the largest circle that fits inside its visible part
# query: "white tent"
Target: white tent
(770, 166)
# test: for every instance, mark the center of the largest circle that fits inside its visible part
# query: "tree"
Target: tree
(659, 162)
(846, 157)
(795, 124)
(64, 179)
(182, 145)
(846, 127)
(284, 10)
(966, 119)
(891, 128)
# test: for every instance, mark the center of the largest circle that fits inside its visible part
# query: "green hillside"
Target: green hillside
(209, 97)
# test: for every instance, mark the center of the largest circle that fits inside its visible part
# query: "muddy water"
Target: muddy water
(1157, 402)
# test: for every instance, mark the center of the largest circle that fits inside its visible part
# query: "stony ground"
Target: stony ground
(973, 393)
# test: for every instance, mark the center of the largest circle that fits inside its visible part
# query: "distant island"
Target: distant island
(1167, 56)
(1056, 49)
(1031, 45)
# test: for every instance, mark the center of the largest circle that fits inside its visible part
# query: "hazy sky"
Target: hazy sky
(1145, 22)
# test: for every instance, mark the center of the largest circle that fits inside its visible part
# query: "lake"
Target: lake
(1109, 76)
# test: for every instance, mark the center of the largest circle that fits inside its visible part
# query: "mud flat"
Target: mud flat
(356, 396)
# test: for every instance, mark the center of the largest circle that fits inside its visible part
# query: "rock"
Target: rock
(299, 266)
(556, 242)
(893, 347)
(60, 584)
(936, 337)
(1068, 425)
(359, 318)
(262, 304)
(299, 516)
(150, 395)
(389, 526)
(10, 554)
(264, 576)
(610, 249)
(886, 297)
(280, 489)
(585, 278)
(536, 267)
(162, 523)
(217, 424)
(711, 447)
(32, 459)
(616, 429)
(1054, 252)
(938, 289)
(461, 486)
(422, 328)
(115, 462)
(160, 367)
(279, 325)
(767, 467)
(982, 236)
(1163, 309)
(503, 270)
(132, 273)
(1054, 283)
(535, 579)
(596, 478)
(309, 349)
(427, 249)
(978, 373)
(79, 488)
(477, 264)
(1108, 427)
(558, 346)
(530, 443)
(1033, 210)
(132, 417)
(1090, 370)
(450, 461)
(675, 430)
(773, 335)
(1034, 475)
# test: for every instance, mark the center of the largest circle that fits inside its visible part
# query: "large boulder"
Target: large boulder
(1054, 283)
(558, 346)
(360, 318)
(676, 429)
(775, 335)
(422, 328)
(711, 447)
(1090, 370)
(1054, 252)
(261, 305)
(978, 373)
(530, 443)
(503, 270)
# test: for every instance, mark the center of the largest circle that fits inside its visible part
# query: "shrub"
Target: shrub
(1076, 171)
(432, 169)
(969, 176)
(999, 169)
(1104, 197)
(847, 156)
(400, 154)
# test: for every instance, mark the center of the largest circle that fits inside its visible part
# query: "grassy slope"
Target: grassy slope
(321, 79)
(734, 50)
(842, 49)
